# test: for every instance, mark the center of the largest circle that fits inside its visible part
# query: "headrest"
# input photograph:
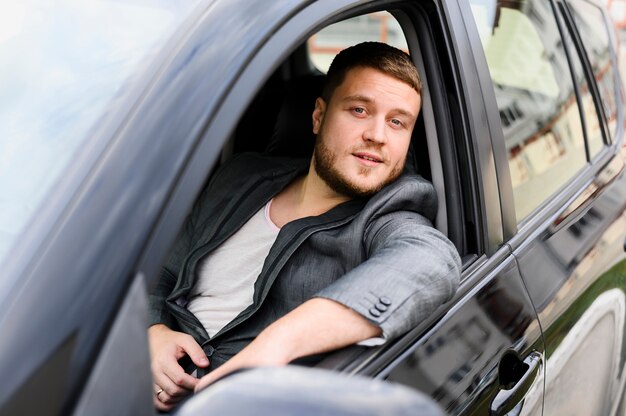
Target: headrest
(293, 133)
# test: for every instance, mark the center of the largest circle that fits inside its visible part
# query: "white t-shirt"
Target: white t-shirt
(226, 276)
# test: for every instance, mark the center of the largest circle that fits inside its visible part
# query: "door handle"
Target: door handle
(516, 378)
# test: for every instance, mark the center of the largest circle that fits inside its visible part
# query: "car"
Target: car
(115, 114)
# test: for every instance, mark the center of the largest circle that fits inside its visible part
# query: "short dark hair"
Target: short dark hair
(376, 55)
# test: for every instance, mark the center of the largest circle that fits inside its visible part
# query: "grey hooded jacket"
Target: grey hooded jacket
(379, 256)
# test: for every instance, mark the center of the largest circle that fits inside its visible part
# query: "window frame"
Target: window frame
(268, 57)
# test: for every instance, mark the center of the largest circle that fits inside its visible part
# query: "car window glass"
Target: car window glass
(378, 26)
(593, 29)
(61, 63)
(593, 127)
(535, 95)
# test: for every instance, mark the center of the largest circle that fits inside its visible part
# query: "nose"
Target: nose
(375, 131)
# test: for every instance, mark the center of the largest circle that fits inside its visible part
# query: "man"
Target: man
(282, 259)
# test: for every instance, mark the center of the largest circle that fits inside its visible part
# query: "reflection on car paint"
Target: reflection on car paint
(457, 363)
(575, 274)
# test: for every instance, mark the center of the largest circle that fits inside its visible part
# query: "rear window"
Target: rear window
(536, 98)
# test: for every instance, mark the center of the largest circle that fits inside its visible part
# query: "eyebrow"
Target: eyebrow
(366, 99)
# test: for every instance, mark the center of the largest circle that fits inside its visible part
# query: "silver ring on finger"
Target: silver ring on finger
(159, 392)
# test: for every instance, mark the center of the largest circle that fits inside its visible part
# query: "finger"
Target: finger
(194, 351)
(168, 385)
(171, 376)
(176, 375)
(165, 398)
(161, 406)
(205, 381)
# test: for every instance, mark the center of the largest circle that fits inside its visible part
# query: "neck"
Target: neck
(313, 192)
(306, 196)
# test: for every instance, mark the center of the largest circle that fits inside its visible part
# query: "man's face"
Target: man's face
(364, 132)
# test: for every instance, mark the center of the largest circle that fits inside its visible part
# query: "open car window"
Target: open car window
(277, 116)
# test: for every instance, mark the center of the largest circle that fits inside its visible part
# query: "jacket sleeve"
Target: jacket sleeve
(411, 269)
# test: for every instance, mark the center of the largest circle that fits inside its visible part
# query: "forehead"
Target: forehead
(377, 86)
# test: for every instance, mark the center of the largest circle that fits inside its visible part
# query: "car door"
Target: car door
(559, 100)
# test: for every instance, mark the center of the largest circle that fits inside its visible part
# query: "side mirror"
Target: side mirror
(306, 391)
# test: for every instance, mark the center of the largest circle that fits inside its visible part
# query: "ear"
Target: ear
(318, 114)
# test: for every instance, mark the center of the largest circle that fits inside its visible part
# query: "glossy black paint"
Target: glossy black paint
(526, 292)
(575, 276)
(457, 361)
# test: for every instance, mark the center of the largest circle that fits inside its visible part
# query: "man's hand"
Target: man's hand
(172, 384)
(262, 352)
(318, 325)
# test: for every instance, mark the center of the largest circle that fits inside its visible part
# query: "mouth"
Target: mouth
(369, 159)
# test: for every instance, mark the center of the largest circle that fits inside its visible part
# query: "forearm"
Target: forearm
(317, 326)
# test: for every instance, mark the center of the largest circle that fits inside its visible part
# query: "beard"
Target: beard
(326, 168)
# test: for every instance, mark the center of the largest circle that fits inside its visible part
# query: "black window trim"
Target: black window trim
(497, 165)
(443, 153)
(559, 17)
(567, 15)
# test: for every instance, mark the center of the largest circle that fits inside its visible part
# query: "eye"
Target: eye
(396, 122)
(358, 110)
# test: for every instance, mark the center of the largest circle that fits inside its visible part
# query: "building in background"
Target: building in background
(617, 8)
